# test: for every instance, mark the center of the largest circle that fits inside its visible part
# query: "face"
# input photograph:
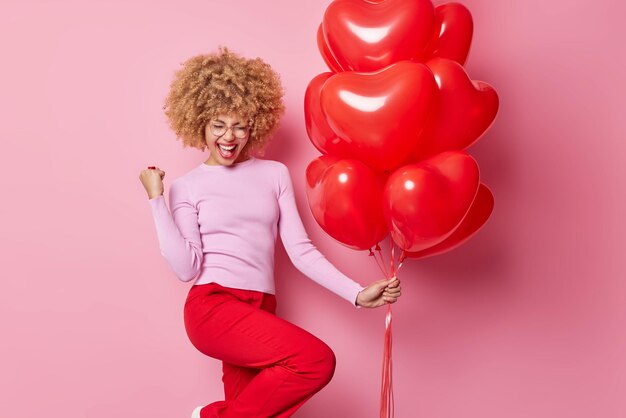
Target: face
(226, 136)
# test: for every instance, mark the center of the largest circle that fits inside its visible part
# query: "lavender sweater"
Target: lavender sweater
(223, 226)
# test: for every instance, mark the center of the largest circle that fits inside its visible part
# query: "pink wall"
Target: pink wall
(526, 320)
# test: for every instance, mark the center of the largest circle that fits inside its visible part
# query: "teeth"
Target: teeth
(227, 148)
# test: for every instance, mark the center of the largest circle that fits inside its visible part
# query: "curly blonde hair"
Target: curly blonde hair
(224, 83)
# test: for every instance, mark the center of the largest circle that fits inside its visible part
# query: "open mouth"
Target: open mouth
(227, 151)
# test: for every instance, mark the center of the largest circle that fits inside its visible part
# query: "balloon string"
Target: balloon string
(392, 246)
(386, 392)
(380, 254)
(387, 402)
(401, 259)
(372, 254)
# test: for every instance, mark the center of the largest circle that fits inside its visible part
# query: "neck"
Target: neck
(239, 159)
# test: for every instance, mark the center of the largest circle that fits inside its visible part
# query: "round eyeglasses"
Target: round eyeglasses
(219, 129)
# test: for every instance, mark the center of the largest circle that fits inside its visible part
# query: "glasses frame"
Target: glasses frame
(229, 128)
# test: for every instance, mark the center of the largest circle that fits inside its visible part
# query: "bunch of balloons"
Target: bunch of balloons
(392, 120)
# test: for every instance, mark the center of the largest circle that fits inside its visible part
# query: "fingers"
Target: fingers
(395, 289)
(393, 285)
(157, 169)
(388, 290)
(392, 291)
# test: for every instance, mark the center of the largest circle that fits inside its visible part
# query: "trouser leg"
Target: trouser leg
(235, 379)
(292, 363)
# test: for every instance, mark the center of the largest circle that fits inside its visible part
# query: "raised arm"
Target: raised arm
(303, 254)
(178, 232)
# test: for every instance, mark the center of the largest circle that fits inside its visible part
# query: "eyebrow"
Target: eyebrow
(236, 123)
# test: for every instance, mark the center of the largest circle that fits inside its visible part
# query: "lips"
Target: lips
(226, 153)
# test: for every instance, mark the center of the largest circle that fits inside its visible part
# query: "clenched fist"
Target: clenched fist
(152, 180)
(379, 293)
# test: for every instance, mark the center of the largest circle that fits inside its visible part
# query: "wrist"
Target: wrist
(357, 302)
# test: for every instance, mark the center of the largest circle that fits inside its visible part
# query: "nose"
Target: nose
(229, 134)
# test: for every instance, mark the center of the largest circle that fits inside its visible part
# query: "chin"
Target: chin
(226, 161)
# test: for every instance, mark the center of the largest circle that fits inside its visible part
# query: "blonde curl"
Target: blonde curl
(208, 85)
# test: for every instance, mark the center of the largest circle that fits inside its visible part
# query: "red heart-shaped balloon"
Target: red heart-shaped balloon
(424, 203)
(462, 111)
(320, 134)
(452, 34)
(345, 199)
(476, 217)
(368, 36)
(325, 52)
(379, 114)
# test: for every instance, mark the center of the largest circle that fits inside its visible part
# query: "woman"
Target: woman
(222, 229)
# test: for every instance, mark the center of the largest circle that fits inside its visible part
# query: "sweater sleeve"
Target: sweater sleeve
(178, 232)
(303, 254)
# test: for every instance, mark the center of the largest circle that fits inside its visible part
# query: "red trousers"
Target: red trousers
(270, 366)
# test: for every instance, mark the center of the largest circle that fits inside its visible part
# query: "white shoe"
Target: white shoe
(196, 412)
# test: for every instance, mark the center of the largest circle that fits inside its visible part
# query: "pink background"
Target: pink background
(525, 320)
